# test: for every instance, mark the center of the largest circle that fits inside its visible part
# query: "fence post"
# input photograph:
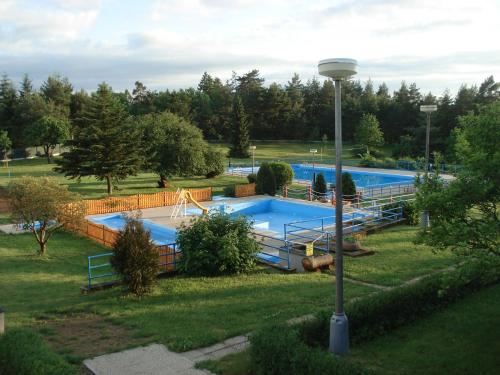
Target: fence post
(309, 193)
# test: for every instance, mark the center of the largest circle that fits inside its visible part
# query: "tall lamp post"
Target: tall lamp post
(427, 109)
(337, 69)
(313, 152)
(253, 156)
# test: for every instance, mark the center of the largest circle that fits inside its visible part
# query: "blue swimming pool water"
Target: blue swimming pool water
(159, 234)
(362, 179)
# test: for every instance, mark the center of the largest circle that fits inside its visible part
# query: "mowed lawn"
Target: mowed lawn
(459, 340)
(182, 312)
(397, 258)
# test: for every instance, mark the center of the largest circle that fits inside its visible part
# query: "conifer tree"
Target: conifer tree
(104, 145)
(241, 135)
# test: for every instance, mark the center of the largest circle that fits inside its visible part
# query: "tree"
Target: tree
(266, 181)
(42, 206)
(5, 143)
(283, 174)
(464, 215)
(47, 132)
(368, 133)
(173, 146)
(214, 163)
(57, 89)
(241, 136)
(135, 257)
(105, 144)
(8, 100)
(348, 185)
(320, 185)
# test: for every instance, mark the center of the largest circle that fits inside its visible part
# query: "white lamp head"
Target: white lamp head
(428, 108)
(338, 68)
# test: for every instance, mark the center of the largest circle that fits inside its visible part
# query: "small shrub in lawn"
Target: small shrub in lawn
(266, 180)
(214, 161)
(23, 352)
(283, 173)
(229, 191)
(216, 244)
(135, 257)
(320, 185)
(252, 178)
(382, 312)
(410, 212)
(279, 350)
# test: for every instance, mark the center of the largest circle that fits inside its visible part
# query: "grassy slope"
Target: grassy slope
(397, 258)
(182, 312)
(461, 340)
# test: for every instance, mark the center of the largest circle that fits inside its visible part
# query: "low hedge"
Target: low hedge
(22, 352)
(382, 312)
(279, 350)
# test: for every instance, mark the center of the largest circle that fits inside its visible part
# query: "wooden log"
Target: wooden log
(351, 246)
(313, 263)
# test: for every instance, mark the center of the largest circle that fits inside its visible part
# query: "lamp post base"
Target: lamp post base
(339, 334)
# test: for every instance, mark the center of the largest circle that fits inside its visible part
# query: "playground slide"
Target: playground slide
(188, 195)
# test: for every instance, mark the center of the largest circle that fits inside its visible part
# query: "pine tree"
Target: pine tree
(241, 136)
(104, 145)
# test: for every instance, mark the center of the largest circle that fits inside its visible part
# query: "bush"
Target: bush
(283, 173)
(348, 186)
(216, 244)
(23, 352)
(320, 185)
(252, 178)
(382, 312)
(214, 161)
(229, 191)
(135, 257)
(410, 212)
(266, 180)
(279, 350)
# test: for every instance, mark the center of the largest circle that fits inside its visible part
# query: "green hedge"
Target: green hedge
(382, 312)
(266, 180)
(283, 173)
(279, 350)
(22, 352)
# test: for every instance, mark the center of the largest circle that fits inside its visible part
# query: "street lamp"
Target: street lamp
(337, 69)
(253, 156)
(313, 152)
(427, 109)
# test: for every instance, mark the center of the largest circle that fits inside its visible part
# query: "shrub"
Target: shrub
(229, 191)
(320, 185)
(382, 312)
(348, 186)
(135, 257)
(367, 160)
(214, 161)
(266, 180)
(23, 352)
(283, 173)
(216, 244)
(410, 212)
(252, 178)
(279, 350)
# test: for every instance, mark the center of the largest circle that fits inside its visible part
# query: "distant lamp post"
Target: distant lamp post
(313, 152)
(337, 69)
(253, 156)
(427, 109)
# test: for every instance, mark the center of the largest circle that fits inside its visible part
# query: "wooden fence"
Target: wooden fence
(140, 201)
(245, 190)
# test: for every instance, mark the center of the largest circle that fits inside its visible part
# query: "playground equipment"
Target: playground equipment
(182, 199)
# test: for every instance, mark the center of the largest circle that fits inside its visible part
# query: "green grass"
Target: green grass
(5, 218)
(397, 259)
(89, 187)
(182, 312)
(461, 340)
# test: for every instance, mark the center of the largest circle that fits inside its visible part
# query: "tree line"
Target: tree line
(296, 110)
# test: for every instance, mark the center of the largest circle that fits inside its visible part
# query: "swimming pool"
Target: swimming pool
(161, 235)
(362, 179)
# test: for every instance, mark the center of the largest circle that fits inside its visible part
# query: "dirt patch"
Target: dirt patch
(86, 336)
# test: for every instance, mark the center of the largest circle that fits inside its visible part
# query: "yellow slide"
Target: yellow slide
(187, 195)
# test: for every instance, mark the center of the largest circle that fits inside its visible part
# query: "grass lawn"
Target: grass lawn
(397, 259)
(90, 188)
(460, 340)
(182, 312)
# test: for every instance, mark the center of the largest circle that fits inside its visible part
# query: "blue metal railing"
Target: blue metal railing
(91, 267)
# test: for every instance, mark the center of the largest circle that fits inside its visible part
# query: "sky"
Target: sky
(439, 44)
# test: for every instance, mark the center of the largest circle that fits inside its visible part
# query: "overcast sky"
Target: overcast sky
(169, 44)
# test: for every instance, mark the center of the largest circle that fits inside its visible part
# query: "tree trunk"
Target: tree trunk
(43, 248)
(46, 150)
(163, 183)
(110, 185)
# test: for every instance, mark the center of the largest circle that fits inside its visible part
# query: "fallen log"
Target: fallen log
(313, 263)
